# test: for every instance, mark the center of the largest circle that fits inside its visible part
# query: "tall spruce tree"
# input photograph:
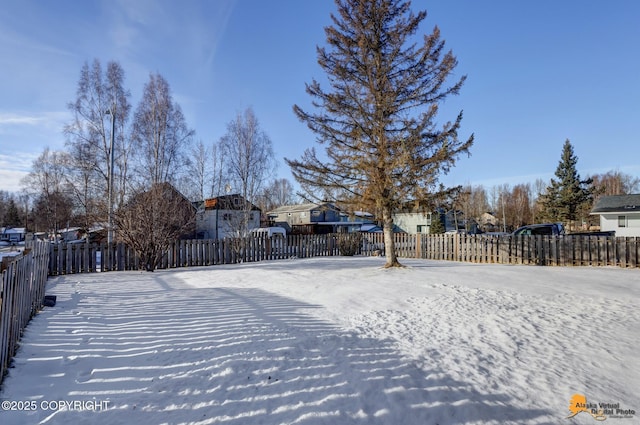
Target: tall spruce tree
(437, 226)
(378, 118)
(566, 195)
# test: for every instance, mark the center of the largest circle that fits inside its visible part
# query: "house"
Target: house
(420, 222)
(488, 222)
(13, 235)
(310, 218)
(413, 223)
(619, 213)
(454, 221)
(69, 234)
(95, 234)
(223, 216)
(358, 217)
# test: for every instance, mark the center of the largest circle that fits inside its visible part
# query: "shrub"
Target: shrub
(349, 244)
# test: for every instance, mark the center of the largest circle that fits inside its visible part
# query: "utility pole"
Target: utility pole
(111, 112)
(504, 218)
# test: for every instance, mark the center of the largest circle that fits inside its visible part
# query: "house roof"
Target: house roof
(617, 203)
(14, 230)
(303, 207)
(227, 202)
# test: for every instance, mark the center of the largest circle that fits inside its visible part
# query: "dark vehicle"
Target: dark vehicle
(601, 233)
(547, 229)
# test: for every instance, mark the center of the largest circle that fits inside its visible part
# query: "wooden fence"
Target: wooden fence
(21, 297)
(86, 258)
(541, 250)
(566, 250)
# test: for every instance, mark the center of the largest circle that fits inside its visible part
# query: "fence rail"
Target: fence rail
(566, 250)
(21, 297)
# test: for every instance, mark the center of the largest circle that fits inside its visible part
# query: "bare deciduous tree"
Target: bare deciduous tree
(152, 219)
(276, 194)
(46, 183)
(473, 201)
(249, 160)
(160, 136)
(378, 119)
(100, 98)
(614, 183)
(217, 166)
(199, 174)
(157, 214)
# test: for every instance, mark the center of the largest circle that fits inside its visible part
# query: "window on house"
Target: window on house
(622, 221)
(421, 228)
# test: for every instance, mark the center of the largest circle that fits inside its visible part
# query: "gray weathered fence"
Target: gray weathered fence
(566, 250)
(542, 250)
(85, 258)
(21, 297)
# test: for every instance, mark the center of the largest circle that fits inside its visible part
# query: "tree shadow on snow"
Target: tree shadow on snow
(226, 355)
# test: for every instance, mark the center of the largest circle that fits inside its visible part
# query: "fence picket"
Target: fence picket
(633, 252)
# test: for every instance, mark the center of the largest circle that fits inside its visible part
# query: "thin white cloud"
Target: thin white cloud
(17, 161)
(10, 180)
(225, 10)
(16, 119)
(131, 23)
(13, 168)
(42, 123)
(191, 29)
(21, 43)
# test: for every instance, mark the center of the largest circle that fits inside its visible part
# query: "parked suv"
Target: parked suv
(547, 229)
(270, 232)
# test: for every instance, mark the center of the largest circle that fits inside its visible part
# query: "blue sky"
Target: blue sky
(538, 73)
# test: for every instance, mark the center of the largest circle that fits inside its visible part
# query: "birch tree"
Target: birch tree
(101, 106)
(160, 136)
(249, 160)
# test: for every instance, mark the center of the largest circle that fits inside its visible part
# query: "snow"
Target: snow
(333, 340)
(8, 252)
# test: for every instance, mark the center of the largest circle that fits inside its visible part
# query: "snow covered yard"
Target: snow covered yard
(334, 340)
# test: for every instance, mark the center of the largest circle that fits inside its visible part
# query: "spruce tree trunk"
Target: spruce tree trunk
(389, 243)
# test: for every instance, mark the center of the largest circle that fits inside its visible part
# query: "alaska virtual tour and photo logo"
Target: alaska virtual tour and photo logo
(599, 411)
